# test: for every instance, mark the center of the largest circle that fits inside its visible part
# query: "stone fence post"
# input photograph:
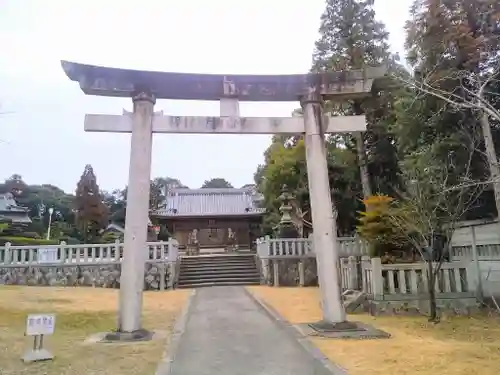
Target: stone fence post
(117, 249)
(377, 279)
(63, 249)
(8, 255)
(173, 255)
(352, 273)
(263, 245)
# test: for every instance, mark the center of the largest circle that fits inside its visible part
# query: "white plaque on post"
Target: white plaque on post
(37, 326)
(47, 255)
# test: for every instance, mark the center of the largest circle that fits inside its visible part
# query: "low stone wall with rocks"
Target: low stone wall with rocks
(288, 272)
(157, 275)
(448, 306)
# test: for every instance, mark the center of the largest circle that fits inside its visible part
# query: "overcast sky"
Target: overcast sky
(41, 129)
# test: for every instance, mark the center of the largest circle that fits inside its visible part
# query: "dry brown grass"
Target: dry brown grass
(456, 346)
(81, 312)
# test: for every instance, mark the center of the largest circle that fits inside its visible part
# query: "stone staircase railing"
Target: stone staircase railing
(290, 248)
(292, 261)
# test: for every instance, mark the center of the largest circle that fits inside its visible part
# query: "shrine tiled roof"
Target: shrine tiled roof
(211, 202)
(11, 212)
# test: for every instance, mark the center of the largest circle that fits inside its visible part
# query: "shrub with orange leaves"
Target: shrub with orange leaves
(377, 228)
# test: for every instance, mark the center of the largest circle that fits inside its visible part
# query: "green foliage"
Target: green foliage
(39, 198)
(110, 237)
(70, 240)
(34, 235)
(25, 241)
(451, 44)
(216, 183)
(352, 38)
(286, 165)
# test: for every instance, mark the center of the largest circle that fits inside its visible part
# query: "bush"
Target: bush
(25, 241)
(110, 237)
(377, 228)
(70, 240)
(30, 235)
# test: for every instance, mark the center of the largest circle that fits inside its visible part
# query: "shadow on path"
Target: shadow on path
(228, 333)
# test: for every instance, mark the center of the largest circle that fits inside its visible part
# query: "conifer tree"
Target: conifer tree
(91, 212)
(351, 38)
(453, 45)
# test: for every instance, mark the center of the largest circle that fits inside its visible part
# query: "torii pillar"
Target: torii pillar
(137, 215)
(323, 212)
(309, 89)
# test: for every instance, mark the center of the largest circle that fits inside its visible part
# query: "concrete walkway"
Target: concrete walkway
(228, 333)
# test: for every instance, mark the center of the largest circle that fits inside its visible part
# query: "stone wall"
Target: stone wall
(103, 275)
(448, 306)
(288, 272)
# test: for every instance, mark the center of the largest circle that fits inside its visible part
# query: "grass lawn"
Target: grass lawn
(457, 345)
(81, 312)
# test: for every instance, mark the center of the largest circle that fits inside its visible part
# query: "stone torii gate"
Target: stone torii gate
(145, 87)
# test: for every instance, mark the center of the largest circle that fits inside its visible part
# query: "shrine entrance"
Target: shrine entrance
(146, 87)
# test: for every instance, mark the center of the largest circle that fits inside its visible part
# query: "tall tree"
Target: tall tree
(351, 38)
(216, 183)
(452, 46)
(91, 212)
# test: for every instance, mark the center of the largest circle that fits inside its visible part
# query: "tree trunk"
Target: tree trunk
(431, 280)
(492, 158)
(363, 167)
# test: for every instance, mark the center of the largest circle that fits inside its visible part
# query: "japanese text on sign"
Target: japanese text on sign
(40, 324)
(47, 255)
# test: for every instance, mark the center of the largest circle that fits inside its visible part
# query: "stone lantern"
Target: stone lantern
(286, 227)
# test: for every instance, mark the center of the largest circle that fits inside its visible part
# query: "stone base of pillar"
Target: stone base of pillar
(353, 330)
(139, 335)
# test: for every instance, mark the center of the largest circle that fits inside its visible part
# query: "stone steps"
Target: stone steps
(219, 276)
(217, 283)
(216, 269)
(220, 269)
(216, 265)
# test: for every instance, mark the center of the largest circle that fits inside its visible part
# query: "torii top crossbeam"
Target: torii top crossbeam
(103, 81)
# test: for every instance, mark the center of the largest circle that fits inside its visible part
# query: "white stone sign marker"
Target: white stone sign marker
(38, 326)
(47, 255)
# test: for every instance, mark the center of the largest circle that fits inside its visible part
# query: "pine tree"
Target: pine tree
(91, 212)
(351, 38)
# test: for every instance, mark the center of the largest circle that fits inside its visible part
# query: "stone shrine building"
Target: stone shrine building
(215, 218)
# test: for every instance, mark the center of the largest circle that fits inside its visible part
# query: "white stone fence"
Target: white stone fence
(409, 280)
(290, 248)
(292, 260)
(86, 265)
(405, 281)
(483, 252)
(10, 255)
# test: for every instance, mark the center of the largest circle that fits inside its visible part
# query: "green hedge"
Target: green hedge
(30, 235)
(70, 240)
(21, 241)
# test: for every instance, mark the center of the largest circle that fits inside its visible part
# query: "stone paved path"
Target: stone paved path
(228, 333)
